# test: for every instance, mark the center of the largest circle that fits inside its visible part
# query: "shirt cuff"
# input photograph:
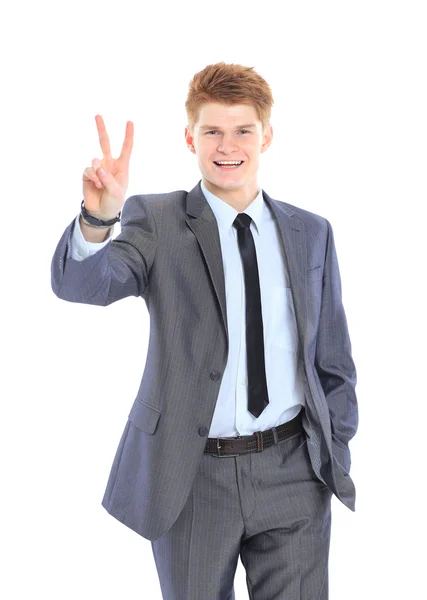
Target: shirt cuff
(81, 248)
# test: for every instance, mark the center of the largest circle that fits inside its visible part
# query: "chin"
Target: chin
(225, 185)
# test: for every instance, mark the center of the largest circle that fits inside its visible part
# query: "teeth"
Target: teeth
(229, 162)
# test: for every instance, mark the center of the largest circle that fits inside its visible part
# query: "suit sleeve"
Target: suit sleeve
(119, 269)
(333, 359)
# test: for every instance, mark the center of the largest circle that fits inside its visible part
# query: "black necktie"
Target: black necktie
(257, 383)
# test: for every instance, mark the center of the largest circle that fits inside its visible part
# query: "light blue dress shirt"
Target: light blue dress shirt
(231, 417)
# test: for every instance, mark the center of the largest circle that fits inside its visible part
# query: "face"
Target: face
(218, 135)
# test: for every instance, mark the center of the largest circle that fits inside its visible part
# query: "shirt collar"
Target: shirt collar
(226, 214)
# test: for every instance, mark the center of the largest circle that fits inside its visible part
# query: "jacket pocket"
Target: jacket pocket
(342, 454)
(145, 417)
(314, 274)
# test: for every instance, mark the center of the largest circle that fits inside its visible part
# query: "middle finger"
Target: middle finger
(103, 137)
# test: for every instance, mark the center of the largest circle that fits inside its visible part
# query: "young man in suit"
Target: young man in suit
(238, 435)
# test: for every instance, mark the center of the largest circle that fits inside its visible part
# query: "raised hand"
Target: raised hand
(104, 194)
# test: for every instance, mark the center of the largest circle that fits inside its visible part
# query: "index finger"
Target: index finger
(103, 137)
(128, 143)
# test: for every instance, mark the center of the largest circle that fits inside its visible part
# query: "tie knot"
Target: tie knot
(242, 220)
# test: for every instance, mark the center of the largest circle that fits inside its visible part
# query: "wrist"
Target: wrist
(97, 221)
(82, 220)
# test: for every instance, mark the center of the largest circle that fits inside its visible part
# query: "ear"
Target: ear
(267, 138)
(189, 139)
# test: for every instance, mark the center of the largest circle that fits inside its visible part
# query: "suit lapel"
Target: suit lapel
(202, 222)
(293, 238)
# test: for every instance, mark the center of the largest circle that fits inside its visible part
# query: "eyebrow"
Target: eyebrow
(237, 127)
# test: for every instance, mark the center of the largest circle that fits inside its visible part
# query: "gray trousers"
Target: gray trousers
(267, 507)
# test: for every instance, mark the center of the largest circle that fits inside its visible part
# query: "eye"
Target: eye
(213, 130)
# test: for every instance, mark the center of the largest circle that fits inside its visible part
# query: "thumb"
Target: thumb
(108, 180)
(105, 176)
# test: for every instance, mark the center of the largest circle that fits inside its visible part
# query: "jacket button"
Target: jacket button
(203, 431)
(214, 375)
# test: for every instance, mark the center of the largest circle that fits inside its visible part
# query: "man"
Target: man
(238, 435)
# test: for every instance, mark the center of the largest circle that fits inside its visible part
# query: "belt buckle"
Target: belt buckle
(219, 455)
(259, 441)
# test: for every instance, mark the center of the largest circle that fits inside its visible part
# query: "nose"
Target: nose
(227, 145)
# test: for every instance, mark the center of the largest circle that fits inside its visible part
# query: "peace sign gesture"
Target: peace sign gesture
(104, 194)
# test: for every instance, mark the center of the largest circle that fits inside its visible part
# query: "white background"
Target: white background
(349, 124)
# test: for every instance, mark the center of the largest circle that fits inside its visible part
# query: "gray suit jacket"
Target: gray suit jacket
(169, 253)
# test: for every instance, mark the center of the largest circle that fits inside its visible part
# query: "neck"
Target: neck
(239, 199)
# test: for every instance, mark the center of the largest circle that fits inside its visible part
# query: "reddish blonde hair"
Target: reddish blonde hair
(229, 84)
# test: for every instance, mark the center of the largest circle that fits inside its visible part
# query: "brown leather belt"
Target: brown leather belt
(257, 442)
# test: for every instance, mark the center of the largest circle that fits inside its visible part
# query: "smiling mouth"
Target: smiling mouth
(228, 167)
